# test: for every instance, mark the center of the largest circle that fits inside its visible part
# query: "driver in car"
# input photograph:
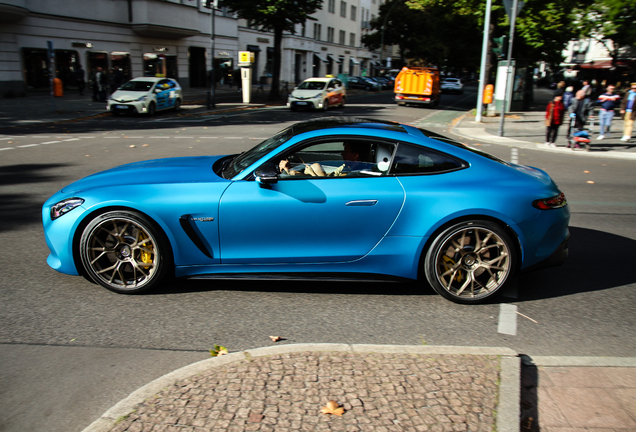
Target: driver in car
(351, 155)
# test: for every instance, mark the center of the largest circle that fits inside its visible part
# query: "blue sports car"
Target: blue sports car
(334, 197)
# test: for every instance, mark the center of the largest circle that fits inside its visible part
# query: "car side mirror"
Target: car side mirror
(266, 174)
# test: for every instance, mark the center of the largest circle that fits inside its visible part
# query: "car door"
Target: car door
(162, 94)
(304, 219)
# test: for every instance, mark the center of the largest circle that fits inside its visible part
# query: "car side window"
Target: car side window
(336, 158)
(421, 160)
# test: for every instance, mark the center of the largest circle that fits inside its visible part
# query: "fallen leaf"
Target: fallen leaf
(333, 408)
(275, 338)
(218, 350)
(586, 172)
(590, 182)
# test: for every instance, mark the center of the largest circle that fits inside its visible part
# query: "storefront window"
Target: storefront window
(160, 65)
(120, 67)
(36, 68)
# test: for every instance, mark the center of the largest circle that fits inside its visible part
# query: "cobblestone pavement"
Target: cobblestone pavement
(379, 392)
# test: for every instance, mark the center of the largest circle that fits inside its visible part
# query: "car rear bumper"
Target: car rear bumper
(557, 258)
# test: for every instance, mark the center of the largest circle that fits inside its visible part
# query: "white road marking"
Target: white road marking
(7, 148)
(514, 155)
(507, 319)
(28, 145)
(50, 142)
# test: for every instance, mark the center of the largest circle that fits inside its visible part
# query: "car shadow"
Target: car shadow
(592, 253)
(592, 265)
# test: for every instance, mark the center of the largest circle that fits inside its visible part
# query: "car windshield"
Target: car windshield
(140, 86)
(451, 80)
(312, 85)
(239, 163)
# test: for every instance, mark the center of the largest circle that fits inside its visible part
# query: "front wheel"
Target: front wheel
(470, 261)
(325, 105)
(152, 108)
(124, 252)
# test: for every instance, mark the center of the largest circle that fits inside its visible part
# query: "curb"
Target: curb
(508, 410)
(483, 135)
(563, 361)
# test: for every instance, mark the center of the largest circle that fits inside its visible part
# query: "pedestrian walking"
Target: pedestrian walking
(587, 88)
(101, 83)
(568, 96)
(628, 109)
(553, 119)
(608, 101)
(580, 111)
(80, 77)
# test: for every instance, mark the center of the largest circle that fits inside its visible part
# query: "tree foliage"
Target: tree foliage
(277, 16)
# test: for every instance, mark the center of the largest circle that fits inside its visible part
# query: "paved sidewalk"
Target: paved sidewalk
(384, 388)
(284, 387)
(527, 130)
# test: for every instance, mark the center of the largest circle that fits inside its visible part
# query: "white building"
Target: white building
(171, 38)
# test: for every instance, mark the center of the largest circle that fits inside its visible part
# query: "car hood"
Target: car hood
(127, 95)
(305, 93)
(193, 169)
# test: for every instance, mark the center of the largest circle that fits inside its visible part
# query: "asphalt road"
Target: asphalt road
(71, 349)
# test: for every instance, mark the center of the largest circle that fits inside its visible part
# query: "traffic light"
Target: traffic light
(500, 47)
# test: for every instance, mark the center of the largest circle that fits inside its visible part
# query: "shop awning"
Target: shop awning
(354, 60)
(332, 57)
(324, 60)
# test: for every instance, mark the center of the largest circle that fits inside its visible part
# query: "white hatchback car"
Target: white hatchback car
(145, 96)
(452, 85)
(318, 93)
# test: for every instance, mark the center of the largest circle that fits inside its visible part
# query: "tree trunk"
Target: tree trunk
(274, 93)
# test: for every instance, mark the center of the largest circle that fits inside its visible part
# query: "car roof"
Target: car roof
(346, 122)
(319, 79)
(150, 79)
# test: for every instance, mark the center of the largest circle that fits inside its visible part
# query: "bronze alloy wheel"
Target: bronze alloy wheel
(123, 252)
(470, 261)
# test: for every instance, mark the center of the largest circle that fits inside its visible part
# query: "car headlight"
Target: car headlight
(65, 206)
(318, 96)
(141, 99)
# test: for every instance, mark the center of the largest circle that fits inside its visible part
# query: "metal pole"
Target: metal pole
(513, 19)
(386, 18)
(211, 95)
(482, 67)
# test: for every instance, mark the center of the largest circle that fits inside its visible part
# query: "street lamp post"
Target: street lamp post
(482, 67)
(513, 19)
(211, 96)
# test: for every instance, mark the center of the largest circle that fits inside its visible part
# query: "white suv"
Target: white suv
(318, 93)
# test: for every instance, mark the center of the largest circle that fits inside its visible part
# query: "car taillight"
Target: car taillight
(399, 96)
(551, 203)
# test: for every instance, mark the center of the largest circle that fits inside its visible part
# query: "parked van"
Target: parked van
(417, 85)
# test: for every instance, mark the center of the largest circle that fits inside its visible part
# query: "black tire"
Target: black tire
(125, 252)
(177, 105)
(342, 103)
(470, 261)
(152, 108)
(325, 105)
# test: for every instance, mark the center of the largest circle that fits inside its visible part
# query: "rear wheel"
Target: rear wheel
(342, 103)
(124, 252)
(470, 261)
(177, 105)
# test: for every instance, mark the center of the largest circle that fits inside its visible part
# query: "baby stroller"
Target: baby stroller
(579, 138)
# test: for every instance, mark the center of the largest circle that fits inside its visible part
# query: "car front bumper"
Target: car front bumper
(305, 103)
(134, 107)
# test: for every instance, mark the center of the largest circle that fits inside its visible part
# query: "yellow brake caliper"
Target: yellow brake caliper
(146, 257)
(448, 265)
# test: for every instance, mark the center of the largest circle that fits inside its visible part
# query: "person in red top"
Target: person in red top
(554, 119)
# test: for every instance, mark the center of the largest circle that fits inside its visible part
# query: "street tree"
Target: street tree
(612, 23)
(276, 16)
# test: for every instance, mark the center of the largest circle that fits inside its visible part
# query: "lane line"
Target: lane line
(507, 319)
(28, 145)
(7, 148)
(50, 142)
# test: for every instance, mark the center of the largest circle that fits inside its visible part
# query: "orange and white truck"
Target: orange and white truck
(417, 85)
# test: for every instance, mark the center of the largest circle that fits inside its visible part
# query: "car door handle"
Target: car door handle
(362, 203)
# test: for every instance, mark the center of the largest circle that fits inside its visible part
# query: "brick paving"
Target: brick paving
(379, 392)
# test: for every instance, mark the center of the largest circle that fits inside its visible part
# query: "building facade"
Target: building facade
(133, 38)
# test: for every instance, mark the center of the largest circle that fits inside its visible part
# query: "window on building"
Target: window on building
(343, 34)
(354, 12)
(317, 31)
(343, 9)
(303, 29)
(332, 6)
(352, 39)
(330, 34)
